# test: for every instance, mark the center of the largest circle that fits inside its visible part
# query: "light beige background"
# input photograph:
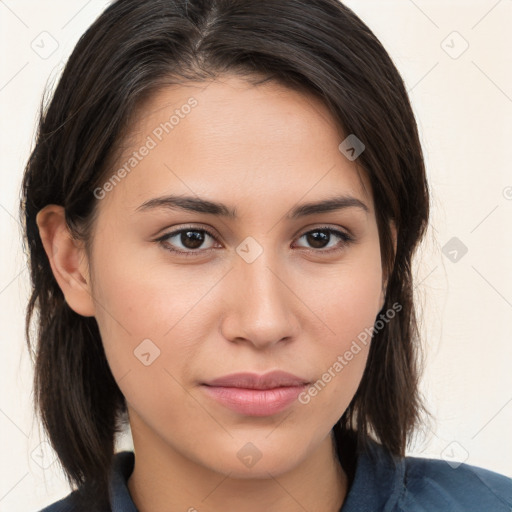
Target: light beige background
(464, 105)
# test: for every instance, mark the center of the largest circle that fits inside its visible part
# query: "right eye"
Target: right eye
(190, 238)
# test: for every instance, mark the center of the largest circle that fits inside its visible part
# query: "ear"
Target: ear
(385, 278)
(67, 259)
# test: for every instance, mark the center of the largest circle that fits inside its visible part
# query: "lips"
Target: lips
(251, 394)
(271, 380)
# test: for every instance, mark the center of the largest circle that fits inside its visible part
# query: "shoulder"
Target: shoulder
(387, 483)
(66, 504)
(122, 467)
(454, 487)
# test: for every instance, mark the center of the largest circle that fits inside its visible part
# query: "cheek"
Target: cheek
(151, 318)
(348, 309)
(350, 298)
(149, 330)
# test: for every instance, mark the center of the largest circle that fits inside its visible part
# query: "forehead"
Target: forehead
(230, 138)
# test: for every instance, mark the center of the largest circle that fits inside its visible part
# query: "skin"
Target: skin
(295, 307)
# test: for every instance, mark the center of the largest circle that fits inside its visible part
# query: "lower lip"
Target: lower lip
(255, 402)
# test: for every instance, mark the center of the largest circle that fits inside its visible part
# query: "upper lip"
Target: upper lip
(275, 379)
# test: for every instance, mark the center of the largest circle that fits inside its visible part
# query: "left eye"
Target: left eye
(192, 239)
(321, 237)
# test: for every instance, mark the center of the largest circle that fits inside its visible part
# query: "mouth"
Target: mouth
(247, 380)
(256, 395)
(255, 402)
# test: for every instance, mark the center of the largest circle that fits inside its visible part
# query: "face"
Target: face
(183, 297)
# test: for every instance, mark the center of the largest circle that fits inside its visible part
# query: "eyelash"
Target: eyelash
(346, 240)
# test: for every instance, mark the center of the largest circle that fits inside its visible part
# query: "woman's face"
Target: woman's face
(270, 289)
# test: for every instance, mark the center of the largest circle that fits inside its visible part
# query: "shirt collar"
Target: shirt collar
(378, 481)
(121, 470)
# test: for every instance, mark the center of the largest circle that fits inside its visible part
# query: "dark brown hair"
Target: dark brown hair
(138, 46)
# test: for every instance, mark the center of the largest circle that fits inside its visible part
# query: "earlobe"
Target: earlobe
(67, 259)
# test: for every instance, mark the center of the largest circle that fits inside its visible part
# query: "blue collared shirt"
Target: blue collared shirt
(381, 483)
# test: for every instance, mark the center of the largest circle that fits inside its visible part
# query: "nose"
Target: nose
(262, 308)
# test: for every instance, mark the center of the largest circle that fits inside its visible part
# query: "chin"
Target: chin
(256, 459)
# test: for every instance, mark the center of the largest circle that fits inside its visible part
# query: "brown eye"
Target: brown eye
(318, 239)
(321, 237)
(192, 239)
(187, 241)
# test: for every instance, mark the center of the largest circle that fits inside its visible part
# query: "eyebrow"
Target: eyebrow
(198, 205)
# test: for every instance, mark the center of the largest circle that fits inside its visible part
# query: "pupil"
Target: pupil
(318, 241)
(195, 237)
